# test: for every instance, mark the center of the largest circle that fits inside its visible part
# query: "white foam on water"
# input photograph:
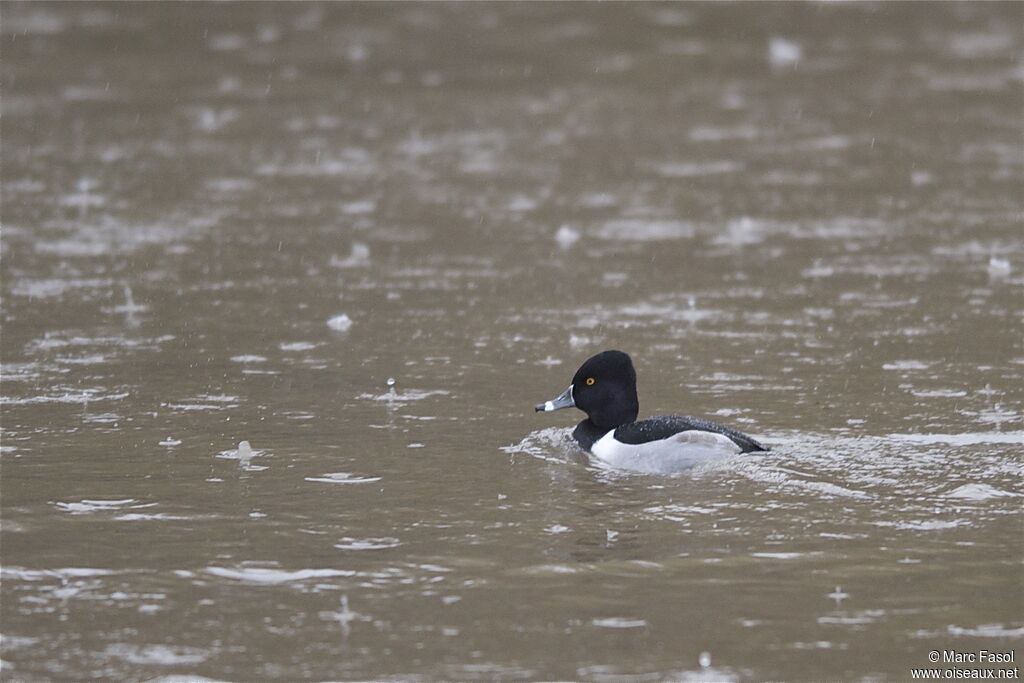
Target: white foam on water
(938, 393)
(979, 492)
(8, 642)
(986, 631)
(643, 230)
(249, 358)
(193, 406)
(923, 524)
(965, 439)
(72, 247)
(907, 365)
(343, 478)
(271, 577)
(340, 322)
(544, 444)
(999, 267)
(63, 575)
(158, 654)
(359, 207)
(297, 346)
(521, 203)
(348, 543)
(397, 399)
(157, 517)
(619, 622)
(781, 556)
(597, 200)
(352, 163)
(696, 169)
(85, 507)
(70, 396)
(358, 257)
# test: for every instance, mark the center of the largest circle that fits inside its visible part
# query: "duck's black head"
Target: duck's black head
(604, 388)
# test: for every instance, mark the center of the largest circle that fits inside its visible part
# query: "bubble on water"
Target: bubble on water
(521, 203)
(838, 595)
(226, 42)
(244, 454)
(268, 33)
(818, 269)
(345, 616)
(340, 323)
(784, 53)
(577, 342)
(565, 236)
(170, 441)
(358, 256)
(919, 178)
(130, 308)
(671, 16)
(705, 659)
(432, 79)
(598, 200)
(998, 267)
(743, 231)
(390, 382)
(614, 279)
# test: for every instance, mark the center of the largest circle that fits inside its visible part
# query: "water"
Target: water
(368, 239)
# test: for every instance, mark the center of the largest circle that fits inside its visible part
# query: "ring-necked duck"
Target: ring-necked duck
(605, 389)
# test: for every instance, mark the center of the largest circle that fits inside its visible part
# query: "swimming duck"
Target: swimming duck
(605, 389)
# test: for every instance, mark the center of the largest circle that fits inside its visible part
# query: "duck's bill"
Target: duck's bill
(564, 400)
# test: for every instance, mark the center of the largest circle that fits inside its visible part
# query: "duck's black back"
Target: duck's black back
(664, 426)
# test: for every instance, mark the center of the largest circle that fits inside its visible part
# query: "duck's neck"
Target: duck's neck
(586, 433)
(621, 408)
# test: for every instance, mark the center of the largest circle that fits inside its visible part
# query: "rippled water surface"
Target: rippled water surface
(228, 223)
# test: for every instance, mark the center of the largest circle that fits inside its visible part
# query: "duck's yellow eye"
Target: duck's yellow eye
(590, 381)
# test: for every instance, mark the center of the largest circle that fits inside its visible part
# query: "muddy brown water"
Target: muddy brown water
(238, 222)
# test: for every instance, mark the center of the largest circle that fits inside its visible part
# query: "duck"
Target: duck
(604, 388)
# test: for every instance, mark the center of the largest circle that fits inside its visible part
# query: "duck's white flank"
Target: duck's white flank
(678, 452)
